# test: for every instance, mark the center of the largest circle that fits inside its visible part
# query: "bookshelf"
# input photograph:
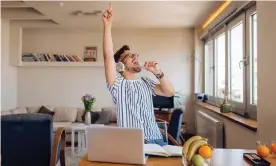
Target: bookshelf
(55, 60)
(61, 64)
(52, 59)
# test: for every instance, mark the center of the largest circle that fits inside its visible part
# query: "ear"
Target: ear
(120, 67)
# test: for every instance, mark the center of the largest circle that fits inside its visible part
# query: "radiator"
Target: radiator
(210, 128)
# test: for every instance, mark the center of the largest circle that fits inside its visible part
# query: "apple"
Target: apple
(197, 160)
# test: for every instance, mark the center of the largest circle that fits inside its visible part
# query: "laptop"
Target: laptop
(115, 145)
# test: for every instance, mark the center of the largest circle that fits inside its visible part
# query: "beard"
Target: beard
(135, 69)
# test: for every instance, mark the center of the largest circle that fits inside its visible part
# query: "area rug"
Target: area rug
(69, 159)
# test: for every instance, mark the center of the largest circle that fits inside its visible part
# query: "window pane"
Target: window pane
(209, 69)
(236, 55)
(220, 65)
(254, 60)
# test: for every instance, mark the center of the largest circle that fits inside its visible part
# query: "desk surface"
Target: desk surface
(221, 157)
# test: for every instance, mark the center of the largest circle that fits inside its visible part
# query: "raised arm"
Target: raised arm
(109, 63)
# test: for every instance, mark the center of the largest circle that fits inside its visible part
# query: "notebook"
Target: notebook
(164, 151)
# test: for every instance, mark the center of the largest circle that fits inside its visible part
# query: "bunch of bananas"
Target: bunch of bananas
(196, 149)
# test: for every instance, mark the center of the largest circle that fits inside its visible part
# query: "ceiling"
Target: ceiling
(127, 14)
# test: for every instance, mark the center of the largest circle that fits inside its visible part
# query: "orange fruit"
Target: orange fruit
(205, 151)
(273, 147)
(262, 151)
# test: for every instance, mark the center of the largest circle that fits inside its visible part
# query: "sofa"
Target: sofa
(65, 116)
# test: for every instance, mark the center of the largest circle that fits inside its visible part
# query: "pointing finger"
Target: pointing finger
(110, 7)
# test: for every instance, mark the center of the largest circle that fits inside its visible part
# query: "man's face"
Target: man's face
(130, 61)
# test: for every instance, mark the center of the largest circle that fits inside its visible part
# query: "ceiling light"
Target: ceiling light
(216, 13)
(81, 13)
(61, 4)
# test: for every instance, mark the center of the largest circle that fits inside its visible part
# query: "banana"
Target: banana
(194, 147)
(188, 143)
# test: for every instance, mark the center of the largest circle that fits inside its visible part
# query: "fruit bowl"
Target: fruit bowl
(196, 152)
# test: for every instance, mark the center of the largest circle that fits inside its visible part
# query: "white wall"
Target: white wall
(266, 27)
(172, 48)
(8, 72)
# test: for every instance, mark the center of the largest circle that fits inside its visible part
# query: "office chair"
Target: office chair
(174, 128)
(28, 140)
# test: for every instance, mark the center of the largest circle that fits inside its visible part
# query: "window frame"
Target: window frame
(250, 108)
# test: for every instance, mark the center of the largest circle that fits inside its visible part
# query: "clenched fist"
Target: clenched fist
(151, 67)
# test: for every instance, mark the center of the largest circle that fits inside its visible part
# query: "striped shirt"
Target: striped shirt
(134, 106)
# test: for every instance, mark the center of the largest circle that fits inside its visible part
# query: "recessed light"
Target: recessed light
(61, 4)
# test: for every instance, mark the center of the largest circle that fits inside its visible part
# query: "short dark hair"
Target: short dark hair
(120, 52)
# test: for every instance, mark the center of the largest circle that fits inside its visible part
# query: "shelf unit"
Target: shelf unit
(61, 64)
(17, 35)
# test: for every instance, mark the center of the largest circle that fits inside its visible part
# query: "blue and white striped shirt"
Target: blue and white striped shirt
(134, 107)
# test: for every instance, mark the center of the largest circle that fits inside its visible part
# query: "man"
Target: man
(131, 95)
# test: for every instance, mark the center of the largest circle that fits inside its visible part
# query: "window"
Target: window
(209, 68)
(253, 59)
(232, 67)
(220, 65)
(251, 91)
(236, 55)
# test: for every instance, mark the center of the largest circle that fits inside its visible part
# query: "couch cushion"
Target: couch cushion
(35, 109)
(113, 117)
(81, 112)
(19, 110)
(65, 114)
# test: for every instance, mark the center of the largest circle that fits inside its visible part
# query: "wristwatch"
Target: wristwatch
(159, 75)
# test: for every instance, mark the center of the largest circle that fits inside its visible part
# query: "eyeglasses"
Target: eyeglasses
(131, 55)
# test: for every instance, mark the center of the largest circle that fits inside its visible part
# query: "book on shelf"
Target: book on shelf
(37, 57)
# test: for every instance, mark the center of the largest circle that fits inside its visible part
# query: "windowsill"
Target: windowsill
(248, 123)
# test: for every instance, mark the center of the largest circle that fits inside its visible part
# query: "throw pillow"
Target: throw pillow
(44, 110)
(94, 116)
(104, 117)
(113, 117)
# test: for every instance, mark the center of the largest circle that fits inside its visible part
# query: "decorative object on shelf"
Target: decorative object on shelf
(201, 97)
(225, 107)
(88, 102)
(90, 54)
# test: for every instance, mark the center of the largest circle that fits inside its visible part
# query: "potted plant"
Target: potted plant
(88, 102)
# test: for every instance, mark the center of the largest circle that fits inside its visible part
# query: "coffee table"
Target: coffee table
(81, 134)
